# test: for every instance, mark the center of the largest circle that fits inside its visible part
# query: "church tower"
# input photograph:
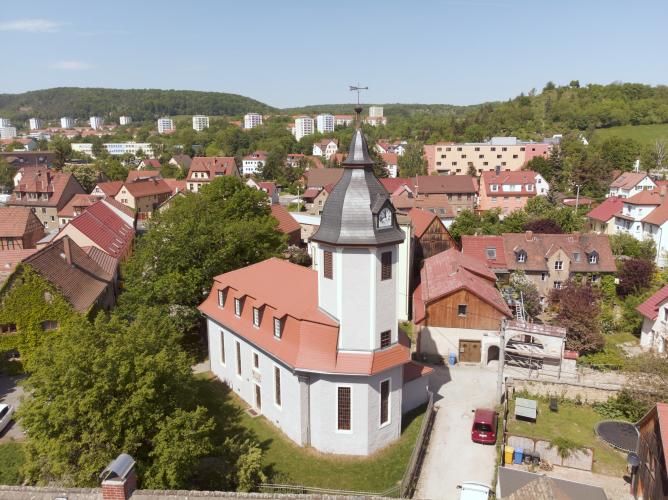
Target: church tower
(357, 252)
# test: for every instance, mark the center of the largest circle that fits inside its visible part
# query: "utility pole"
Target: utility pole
(502, 360)
(577, 197)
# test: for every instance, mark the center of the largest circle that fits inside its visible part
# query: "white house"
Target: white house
(326, 148)
(5, 122)
(654, 332)
(325, 123)
(125, 120)
(252, 163)
(323, 358)
(635, 209)
(629, 183)
(252, 120)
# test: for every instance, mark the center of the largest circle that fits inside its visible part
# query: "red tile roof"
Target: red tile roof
(310, 337)
(286, 223)
(436, 204)
(628, 180)
(421, 220)
(433, 184)
(9, 259)
(659, 215)
(44, 181)
(176, 185)
(267, 187)
(104, 228)
(476, 247)
(413, 370)
(390, 158)
(119, 206)
(607, 210)
(214, 165)
(135, 175)
(14, 221)
(647, 197)
(650, 308)
(151, 163)
(392, 184)
(110, 188)
(148, 187)
(322, 177)
(446, 273)
(519, 177)
(79, 201)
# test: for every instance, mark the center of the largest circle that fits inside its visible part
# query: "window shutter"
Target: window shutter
(385, 339)
(386, 266)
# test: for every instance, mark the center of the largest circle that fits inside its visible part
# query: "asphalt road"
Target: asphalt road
(452, 458)
(11, 393)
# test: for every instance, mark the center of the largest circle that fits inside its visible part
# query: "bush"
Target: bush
(635, 276)
(578, 310)
(621, 407)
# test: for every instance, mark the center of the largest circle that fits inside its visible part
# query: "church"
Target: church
(318, 351)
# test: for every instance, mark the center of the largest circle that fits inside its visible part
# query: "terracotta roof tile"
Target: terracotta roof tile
(44, 181)
(421, 220)
(519, 177)
(135, 175)
(105, 228)
(215, 166)
(322, 177)
(14, 221)
(476, 247)
(110, 188)
(286, 223)
(433, 184)
(628, 180)
(647, 197)
(79, 201)
(650, 308)
(606, 210)
(147, 187)
(176, 185)
(659, 215)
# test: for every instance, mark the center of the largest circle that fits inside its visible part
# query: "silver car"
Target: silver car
(6, 414)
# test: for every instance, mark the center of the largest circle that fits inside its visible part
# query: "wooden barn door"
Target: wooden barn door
(469, 351)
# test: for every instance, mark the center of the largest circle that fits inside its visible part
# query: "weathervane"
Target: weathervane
(358, 89)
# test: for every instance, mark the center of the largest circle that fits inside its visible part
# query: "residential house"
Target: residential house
(516, 484)
(344, 120)
(77, 204)
(149, 163)
(19, 159)
(391, 163)
(287, 224)
(321, 177)
(20, 229)
(181, 161)
(144, 195)
(548, 260)
(9, 260)
(405, 201)
(459, 190)
(430, 237)
(458, 308)
(654, 330)
(317, 202)
(203, 169)
(45, 192)
(268, 187)
(601, 219)
(140, 175)
(107, 189)
(628, 184)
(651, 479)
(635, 209)
(294, 159)
(176, 185)
(655, 227)
(510, 191)
(384, 146)
(323, 358)
(326, 148)
(253, 163)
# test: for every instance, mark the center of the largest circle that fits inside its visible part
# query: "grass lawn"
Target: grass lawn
(288, 463)
(11, 459)
(646, 134)
(575, 422)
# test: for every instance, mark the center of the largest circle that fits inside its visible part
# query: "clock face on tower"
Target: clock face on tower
(385, 218)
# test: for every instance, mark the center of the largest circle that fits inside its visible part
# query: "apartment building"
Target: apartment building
(35, 123)
(253, 162)
(200, 122)
(5, 122)
(510, 191)
(252, 120)
(343, 120)
(66, 122)
(304, 125)
(96, 122)
(375, 111)
(507, 153)
(116, 148)
(165, 125)
(125, 120)
(325, 123)
(7, 132)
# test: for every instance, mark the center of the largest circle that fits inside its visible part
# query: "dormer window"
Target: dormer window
(593, 258)
(491, 253)
(521, 256)
(494, 187)
(576, 256)
(529, 187)
(256, 316)
(278, 328)
(237, 307)
(222, 295)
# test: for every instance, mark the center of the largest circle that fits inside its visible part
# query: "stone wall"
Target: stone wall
(582, 459)
(587, 393)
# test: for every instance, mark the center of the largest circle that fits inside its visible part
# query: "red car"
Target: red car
(484, 426)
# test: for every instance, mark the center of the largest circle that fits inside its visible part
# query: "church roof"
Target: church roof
(350, 213)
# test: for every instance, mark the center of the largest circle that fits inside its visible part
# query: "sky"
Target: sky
(296, 52)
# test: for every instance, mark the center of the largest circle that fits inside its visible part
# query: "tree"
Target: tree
(62, 149)
(6, 177)
(635, 276)
(544, 226)
(549, 86)
(272, 168)
(472, 171)
(227, 226)
(412, 162)
(578, 309)
(626, 245)
(574, 84)
(524, 289)
(99, 389)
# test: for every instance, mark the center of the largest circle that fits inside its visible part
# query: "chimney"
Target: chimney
(66, 250)
(662, 190)
(497, 169)
(529, 235)
(119, 479)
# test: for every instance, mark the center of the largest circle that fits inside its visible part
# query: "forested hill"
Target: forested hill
(395, 109)
(141, 104)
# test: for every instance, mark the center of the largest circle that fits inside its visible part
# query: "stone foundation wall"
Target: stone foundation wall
(587, 393)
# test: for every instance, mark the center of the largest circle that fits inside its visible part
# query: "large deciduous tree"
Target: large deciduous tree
(578, 310)
(635, 276)
(412, 162)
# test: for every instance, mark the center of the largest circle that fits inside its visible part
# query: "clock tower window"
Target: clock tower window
(386, 266)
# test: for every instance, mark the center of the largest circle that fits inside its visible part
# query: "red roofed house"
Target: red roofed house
(654, 331)
(75, 206)
(391, 163)
(107, 189)
(629, 183)
(287, 224)
(19, 229)
(149, 163)
(317, 203)
(326, 148)
(203, 169)
(429, 237)
(510, 191)
(144, 196)
(323, 358)
(140, 175)
(45, 192)
(601, 219)
(651, 480)
(459, 190)
(458, 308)
(252, 163)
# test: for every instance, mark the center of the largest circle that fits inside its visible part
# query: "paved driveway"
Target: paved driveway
(452, 457)
(11, 393)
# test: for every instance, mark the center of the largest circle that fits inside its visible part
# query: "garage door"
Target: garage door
(469, 351)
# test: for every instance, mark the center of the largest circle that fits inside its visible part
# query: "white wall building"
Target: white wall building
(96, 122)
(125, 120)
(35, 123)
(654, 331)
(326, 148)
(165, 125)
(629, 183)
(252, 163)
(304, 125)
(252, 120)
(66, 122)
(7, 132)
(116, 148)
(322, 358)
(325, 123)
(5, 122)
(375, 111)
(200, 122)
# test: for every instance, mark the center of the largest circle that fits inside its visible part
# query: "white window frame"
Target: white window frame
(222, 296)
(543, 276)
(494, 187)
(380, 403)
(557, 285)
(239, 367)
(336, 414)
(278, 322)
(256, 317)
(558, 265)
(593, 258)
(237, 307)
(521, 257)
(256, 355)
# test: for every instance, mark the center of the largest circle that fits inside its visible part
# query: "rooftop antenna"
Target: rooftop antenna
(358, 89)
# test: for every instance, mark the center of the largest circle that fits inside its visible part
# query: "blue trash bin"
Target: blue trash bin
(517, 457)
(452, 359)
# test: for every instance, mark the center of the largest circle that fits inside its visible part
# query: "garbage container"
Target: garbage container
(517, 457)
(452, 359)
(509, 454)
(528, 457)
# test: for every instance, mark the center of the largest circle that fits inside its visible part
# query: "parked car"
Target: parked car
(484, 426)
(471, 490)
(6, 413)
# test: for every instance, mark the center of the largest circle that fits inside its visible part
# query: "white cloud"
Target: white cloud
(30, 25)
(70, 65)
